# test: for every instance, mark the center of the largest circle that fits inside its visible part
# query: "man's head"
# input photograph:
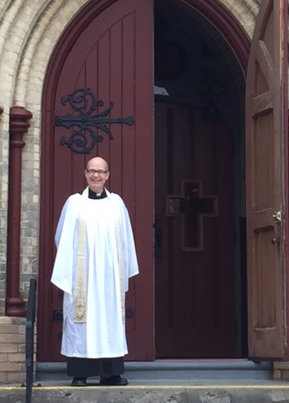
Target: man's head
(96, 174)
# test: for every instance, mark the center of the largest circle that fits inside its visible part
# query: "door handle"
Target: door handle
(277, 216)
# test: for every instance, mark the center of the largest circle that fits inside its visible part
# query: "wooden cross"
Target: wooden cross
(192, 206)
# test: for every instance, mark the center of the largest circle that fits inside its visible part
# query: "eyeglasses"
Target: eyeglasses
(98, 172)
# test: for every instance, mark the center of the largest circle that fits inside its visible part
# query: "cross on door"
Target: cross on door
(192, 206)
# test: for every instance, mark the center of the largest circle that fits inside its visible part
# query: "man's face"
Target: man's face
(96, 174)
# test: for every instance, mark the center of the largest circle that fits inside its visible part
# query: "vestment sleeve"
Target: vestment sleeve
(130, 263)
(62, 275)
(61, 222)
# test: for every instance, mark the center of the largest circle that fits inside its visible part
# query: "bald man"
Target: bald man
(95, 258)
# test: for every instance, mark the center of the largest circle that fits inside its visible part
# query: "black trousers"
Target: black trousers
(85, 367)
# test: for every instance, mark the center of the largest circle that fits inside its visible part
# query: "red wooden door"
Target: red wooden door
(195, 286)
(265, 155)
(108, 49)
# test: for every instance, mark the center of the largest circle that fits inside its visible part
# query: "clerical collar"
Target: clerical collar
(93, 195)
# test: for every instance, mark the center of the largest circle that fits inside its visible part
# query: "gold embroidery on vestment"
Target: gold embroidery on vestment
(80, 276)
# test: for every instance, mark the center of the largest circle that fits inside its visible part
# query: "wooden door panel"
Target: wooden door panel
(109, 56)
(265, 170)
(195, 303)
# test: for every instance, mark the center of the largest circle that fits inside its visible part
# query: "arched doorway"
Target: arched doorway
(103, 37)
(200, 257)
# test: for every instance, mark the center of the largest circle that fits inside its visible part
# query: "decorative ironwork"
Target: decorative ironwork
(84, 102)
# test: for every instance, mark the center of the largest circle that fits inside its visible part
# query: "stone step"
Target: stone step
(210, 393)
(174, 369)
(161, 381)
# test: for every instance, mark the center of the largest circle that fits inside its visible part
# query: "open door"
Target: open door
(266, 99)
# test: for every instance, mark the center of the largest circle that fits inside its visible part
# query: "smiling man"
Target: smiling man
(94, 261)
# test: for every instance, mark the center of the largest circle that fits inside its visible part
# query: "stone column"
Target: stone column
(15, 305)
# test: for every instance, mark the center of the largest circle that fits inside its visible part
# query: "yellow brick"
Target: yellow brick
(3, 377)
(16, 377)
(4, 338)
(9, 367)
(5, 320)
(18, 357)
(8, 348)
(21, 348)
(13, 321)
(22, 367)
(281, 365)
(277, 375)
(285, 374)
(3, 357)
(16, 338)
(8, 329)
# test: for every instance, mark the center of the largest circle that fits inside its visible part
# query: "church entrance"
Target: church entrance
(195, 182)
(199, 223)
(175, 142)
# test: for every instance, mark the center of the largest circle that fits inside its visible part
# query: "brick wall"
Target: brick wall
(281, 371)
(12, 350)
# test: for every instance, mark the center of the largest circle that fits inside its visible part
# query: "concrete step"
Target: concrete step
(173, 369)
(162, 381)
(210, 393)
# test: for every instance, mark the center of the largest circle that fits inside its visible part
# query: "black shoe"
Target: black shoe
(114, 380)
(78, 381)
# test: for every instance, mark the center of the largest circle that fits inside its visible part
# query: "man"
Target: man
(94, 261)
